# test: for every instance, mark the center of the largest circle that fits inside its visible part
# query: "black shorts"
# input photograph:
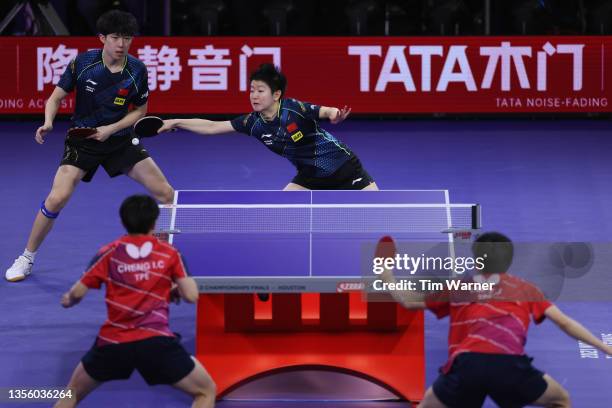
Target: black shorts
(350, 176)
(160, 360)
(116, 154)
(509, 380)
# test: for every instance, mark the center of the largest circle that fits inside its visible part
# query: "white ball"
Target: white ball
(135, 141)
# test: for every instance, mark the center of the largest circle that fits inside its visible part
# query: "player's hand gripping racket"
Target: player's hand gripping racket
(146, 127)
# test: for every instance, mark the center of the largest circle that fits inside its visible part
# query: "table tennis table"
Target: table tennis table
(310, 250)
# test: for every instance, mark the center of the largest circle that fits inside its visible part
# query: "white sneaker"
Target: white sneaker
(21, 268)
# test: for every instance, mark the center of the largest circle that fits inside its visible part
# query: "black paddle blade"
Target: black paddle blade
(148, 126)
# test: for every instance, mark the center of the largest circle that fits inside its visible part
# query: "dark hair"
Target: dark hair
(117, 22)
(138, 214)
(272, 76)
(497, 251)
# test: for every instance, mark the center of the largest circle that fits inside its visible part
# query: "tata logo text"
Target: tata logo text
(506, 61)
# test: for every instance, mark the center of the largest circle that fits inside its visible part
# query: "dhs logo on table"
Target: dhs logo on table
(343, 287)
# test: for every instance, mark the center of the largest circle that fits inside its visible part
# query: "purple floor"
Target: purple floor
(536, 181)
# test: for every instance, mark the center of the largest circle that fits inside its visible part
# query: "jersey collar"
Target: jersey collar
(105, 66)
(280, 103)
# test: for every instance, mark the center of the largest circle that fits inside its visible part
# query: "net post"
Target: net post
(476, 217)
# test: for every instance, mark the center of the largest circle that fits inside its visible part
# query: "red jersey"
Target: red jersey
(491, 326)
(138, 271)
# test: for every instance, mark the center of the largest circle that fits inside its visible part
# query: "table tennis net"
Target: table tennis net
(313, 218)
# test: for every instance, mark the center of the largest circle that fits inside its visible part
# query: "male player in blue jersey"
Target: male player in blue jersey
(106, 82)
(290, 129)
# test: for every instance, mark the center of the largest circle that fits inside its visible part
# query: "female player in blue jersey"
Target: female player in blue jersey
(290, 128)
(106, 82)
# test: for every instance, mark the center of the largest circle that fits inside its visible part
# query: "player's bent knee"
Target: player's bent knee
(206, 384)
(166, 195)
(52, 206)
(555, 396)
(564, 399)
(210, 389)
(198, 383)
(430, 400)
(48, 213)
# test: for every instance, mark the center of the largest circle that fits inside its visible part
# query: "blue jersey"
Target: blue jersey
(296, 135)
(103, 97)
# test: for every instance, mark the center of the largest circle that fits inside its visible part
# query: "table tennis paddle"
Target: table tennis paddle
(147, 126)
(385, 248)
(81, 132)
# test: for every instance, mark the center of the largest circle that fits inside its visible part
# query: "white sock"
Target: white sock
(29, 255)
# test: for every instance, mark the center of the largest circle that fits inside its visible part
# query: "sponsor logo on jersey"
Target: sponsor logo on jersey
(297, 136)
(136, 252)
(267, 139)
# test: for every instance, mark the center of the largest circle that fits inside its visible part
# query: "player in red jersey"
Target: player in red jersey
(139, 272)
(487, 335)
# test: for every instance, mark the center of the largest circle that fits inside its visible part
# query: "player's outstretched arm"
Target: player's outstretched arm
(334, 115)
(188, 289)
(51, 108)
(575, 329)
(201, 126)
(74, 295)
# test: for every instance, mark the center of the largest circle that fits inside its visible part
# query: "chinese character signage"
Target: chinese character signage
(208, 75)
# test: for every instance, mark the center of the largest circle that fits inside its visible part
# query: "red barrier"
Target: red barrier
(236, 344)
(208, 75)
